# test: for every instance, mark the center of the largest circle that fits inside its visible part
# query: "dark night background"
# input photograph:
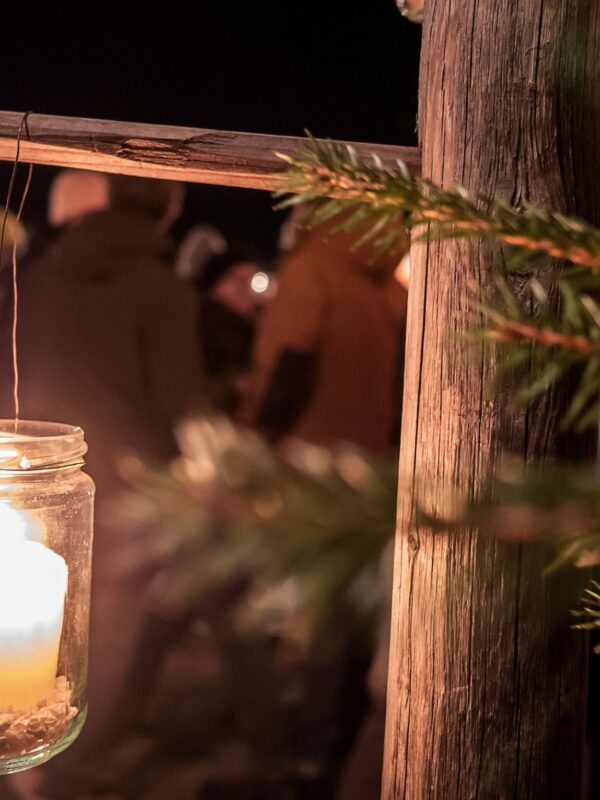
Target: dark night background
(344, 69)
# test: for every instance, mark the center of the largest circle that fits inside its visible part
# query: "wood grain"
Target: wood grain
(487, 683)
(198, 155)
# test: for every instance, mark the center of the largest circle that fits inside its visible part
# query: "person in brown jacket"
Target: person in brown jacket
(106, 333)
(329, 349)
(328, 368)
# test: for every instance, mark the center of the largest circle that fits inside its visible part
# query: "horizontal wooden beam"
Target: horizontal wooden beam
(195, 155)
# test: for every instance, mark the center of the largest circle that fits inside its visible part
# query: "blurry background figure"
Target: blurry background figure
(12, 232)
(361, 777)
(199, 245)
(232, 288)
(291, 231)
(106, 335)
(74, 194)
(329, 351)
(107, 340)
(328, 367)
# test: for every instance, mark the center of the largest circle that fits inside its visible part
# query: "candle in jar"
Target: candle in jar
(33, 585)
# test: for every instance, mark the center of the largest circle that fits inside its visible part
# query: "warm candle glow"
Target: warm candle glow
(33, 585)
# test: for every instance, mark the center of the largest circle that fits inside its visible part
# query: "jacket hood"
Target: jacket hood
(107, 243)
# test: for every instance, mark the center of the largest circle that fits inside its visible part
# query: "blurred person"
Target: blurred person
(107, 340)
(13, 231)
(221, 278)
(232, 290)
(290, 231)
(200, 243)
(74, 194)
(328, 367)
(361, 777)
(329, 350)
(106, 333)
(232, 287)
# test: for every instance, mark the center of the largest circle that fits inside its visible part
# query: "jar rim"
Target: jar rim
(32, 445)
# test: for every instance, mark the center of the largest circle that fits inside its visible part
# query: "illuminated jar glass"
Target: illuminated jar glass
(46, 523)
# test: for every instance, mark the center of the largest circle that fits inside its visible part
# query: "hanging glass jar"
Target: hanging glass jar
(46, 522)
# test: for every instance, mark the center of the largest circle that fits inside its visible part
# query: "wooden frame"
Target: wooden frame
(487, 691)
(197, 155)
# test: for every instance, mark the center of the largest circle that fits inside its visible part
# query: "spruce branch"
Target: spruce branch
(510, 331)
(298, 535)
(552, 344)
(333, 178)
(558, 506)
(589, 611)
(288, 539)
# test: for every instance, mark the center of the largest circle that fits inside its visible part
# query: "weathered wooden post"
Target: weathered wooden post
(486, 695)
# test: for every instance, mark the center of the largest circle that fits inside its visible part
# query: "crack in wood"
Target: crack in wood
(229, 158)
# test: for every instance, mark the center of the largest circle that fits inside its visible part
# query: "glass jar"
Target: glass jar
(46, 523)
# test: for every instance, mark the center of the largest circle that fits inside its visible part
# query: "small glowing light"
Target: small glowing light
(260, 282)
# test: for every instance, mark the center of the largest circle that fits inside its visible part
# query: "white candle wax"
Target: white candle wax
(33, 585)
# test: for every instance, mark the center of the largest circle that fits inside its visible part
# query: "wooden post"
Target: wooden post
(487, 685)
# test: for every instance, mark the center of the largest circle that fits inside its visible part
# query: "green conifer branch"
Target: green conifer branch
(552, 344)
(337, 179)
(589, 612)
(298, 534)
(332, 179)
(319, 521)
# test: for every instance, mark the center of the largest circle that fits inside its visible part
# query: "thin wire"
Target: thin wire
(16, 298)
(9, 194)
(11, 184)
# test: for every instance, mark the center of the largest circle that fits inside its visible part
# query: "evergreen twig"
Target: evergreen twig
(589, 611)
(510, 331)
(298, 535)
(552, 344)
(335, 178)
(332, 180)
(319, 522)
